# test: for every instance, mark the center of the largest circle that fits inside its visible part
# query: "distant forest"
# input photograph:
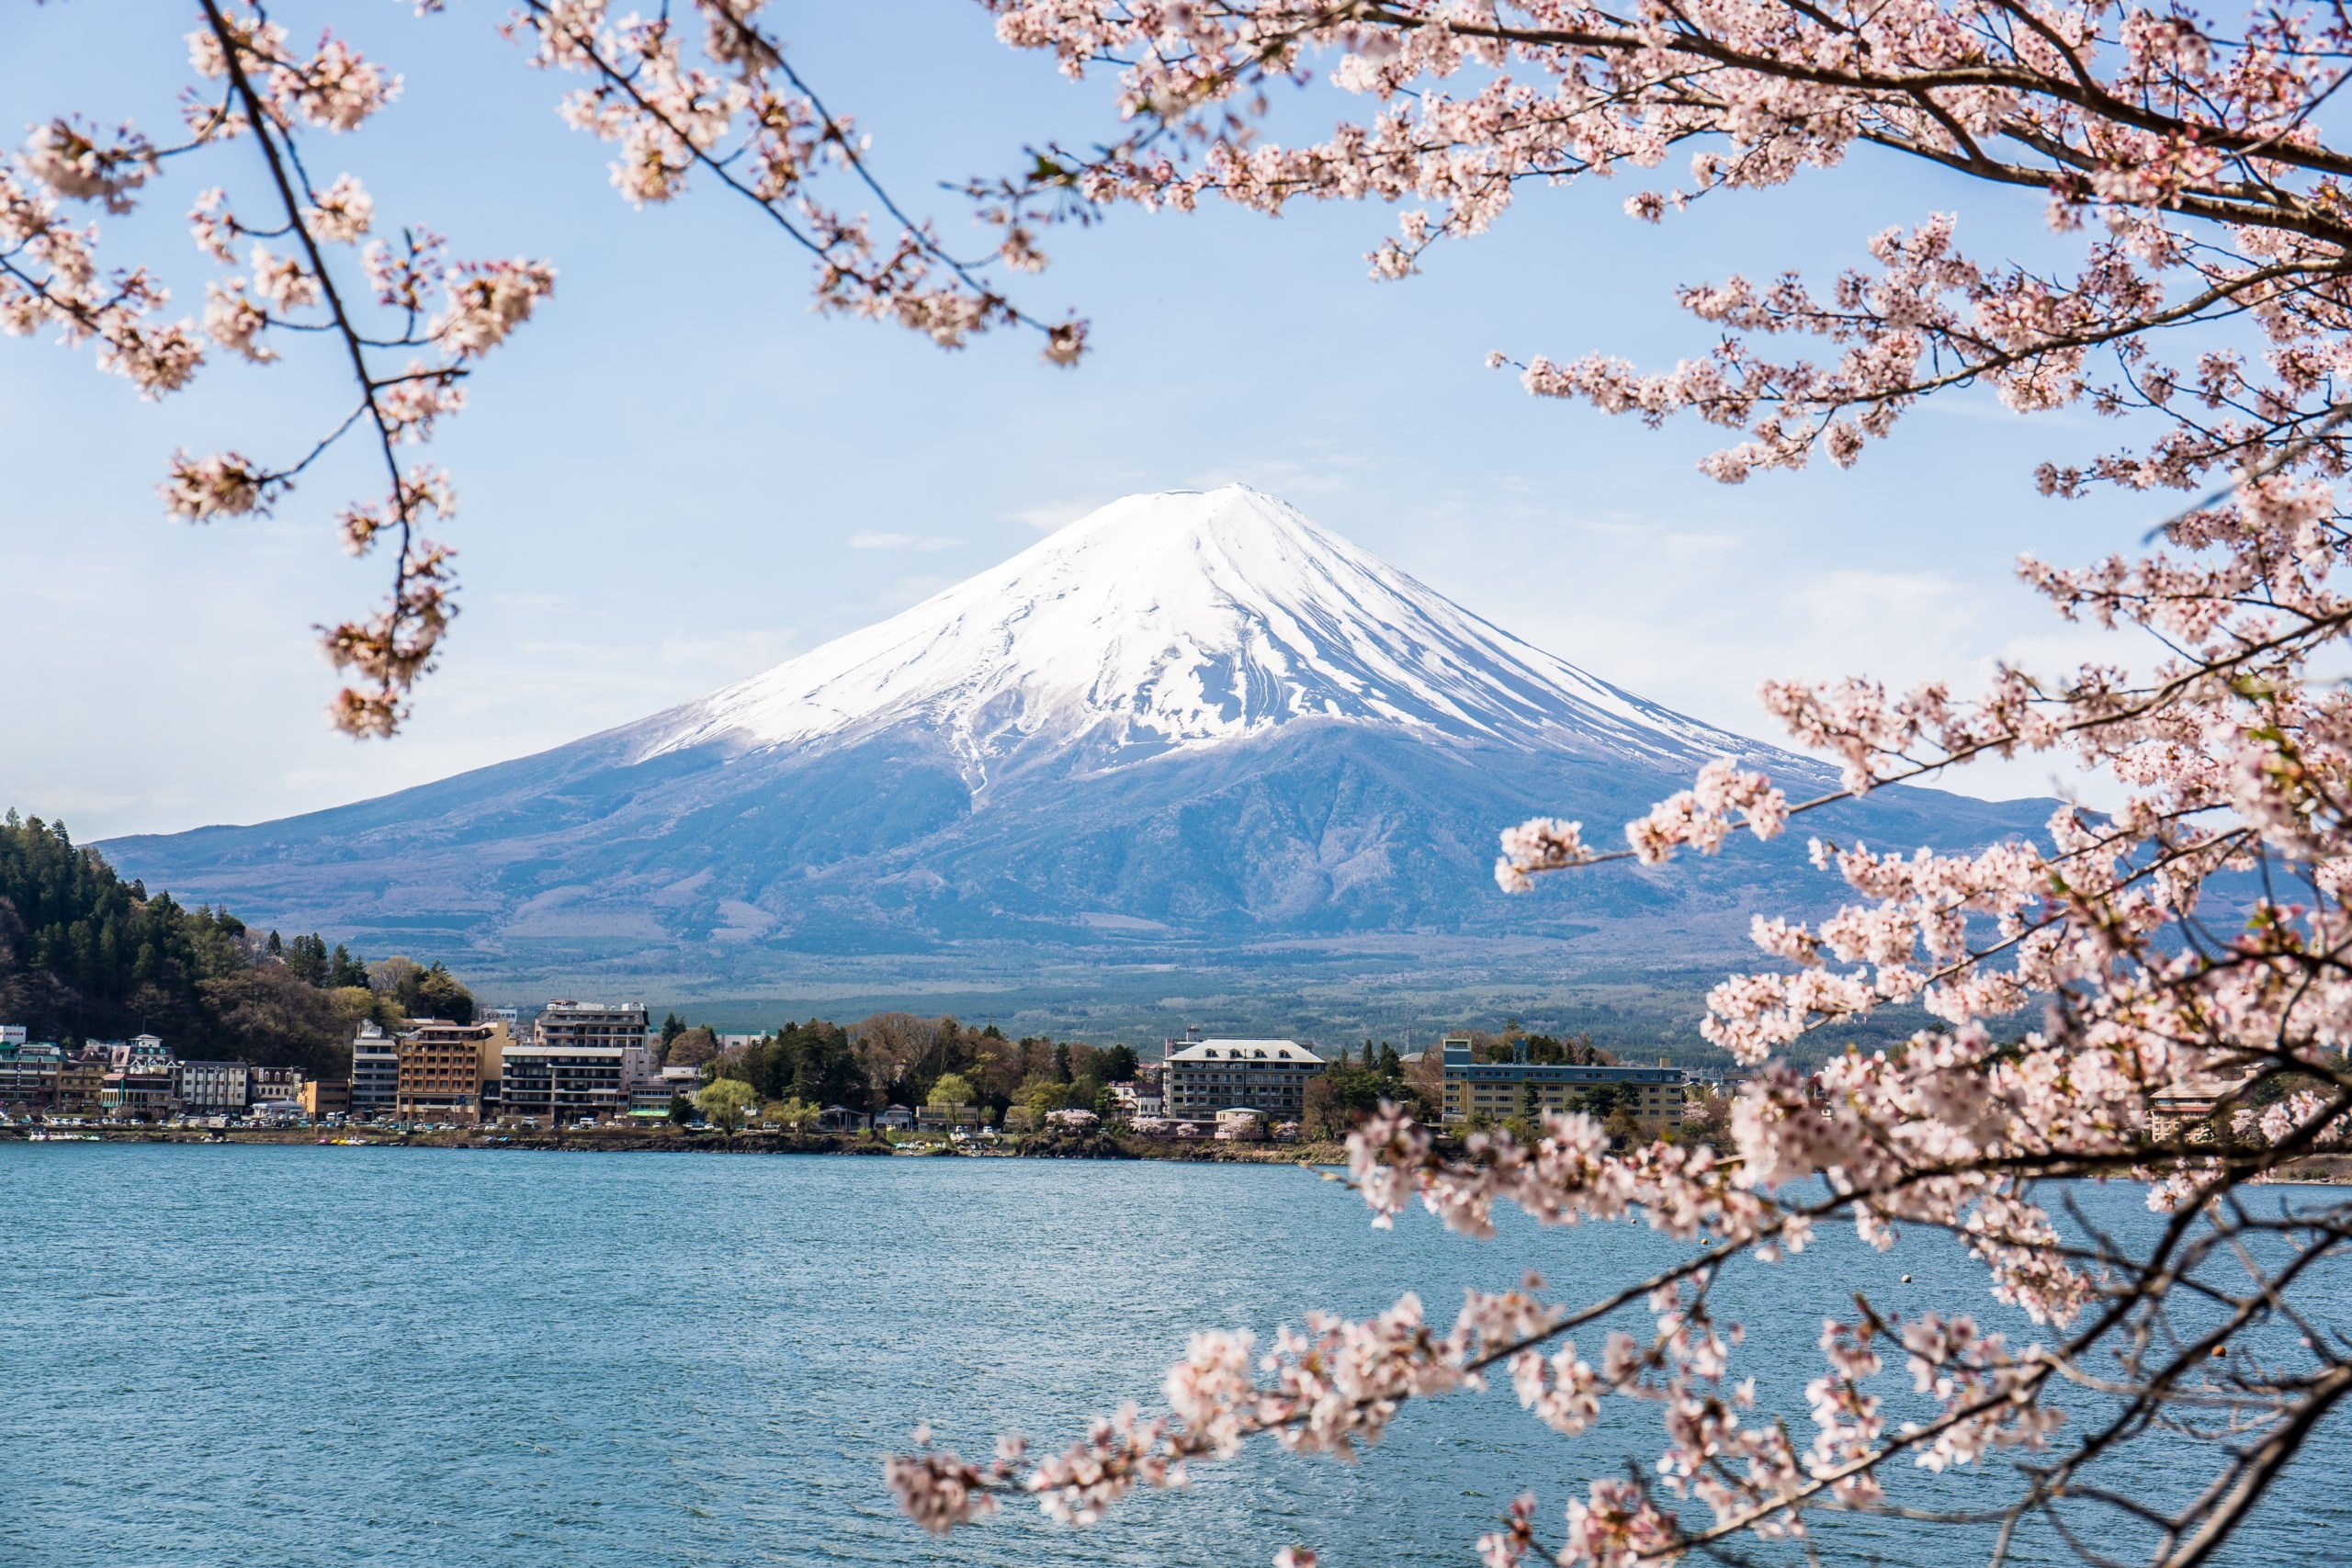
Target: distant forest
(85, 955)
(897, 1058)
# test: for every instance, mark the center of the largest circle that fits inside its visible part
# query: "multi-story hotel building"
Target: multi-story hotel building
(277, 1086)
(556, 1084)
(375, 1073)
(580, 1062)
(28, 1071)
(1493, 1091)
(442, 1069)
(143, 1093)
(1202, 1078)
(590, 1023)
(81, 1084)
(141, 1053)
(211, 1088)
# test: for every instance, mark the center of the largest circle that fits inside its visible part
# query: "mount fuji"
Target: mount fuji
(1191, 740)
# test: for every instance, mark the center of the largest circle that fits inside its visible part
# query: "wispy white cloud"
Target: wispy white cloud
(873, 541)
(1328, 471)
(911, 590)
(1053, 516)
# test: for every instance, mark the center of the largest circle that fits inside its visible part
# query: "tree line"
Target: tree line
(86, 954)
(897, 1058)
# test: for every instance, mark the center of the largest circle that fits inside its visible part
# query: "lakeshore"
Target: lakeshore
(665, 1140)
(2314, 1171)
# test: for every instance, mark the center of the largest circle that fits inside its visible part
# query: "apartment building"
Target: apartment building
(28, 1070)
(1206, 1076)
(1493, 1091)
(137, 1093)
(375, 1073)
(442, 1070)
(277, 1086)
(594, 1024)
(559, 1084)
(583, 1060)
(212, 1088)
(81, 1084)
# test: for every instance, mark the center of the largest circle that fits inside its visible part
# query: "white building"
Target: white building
(659, 1088)
(1269, 1075)
(595, 1024)
(1240, 1125)
(638, 1071)
(211, 1088)
(375, 1073)
(1139, 1100)
(140, 1053)
(559, 1084)
(276, 1084)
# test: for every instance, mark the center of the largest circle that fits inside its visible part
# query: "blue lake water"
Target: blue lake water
(296, 1356)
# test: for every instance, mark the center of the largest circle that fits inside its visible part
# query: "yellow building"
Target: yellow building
(1492, 1091)
(81, 1086)
(444, 1069)
(322, 1098)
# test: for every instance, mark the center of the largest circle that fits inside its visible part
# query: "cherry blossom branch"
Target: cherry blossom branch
(399, 647)
(670, 119)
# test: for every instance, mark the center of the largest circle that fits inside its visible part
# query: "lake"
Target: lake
(222, 1354)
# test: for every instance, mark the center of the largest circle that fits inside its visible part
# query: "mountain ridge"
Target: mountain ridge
(1193, 731)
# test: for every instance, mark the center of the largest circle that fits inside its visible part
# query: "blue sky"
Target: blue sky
(678, 475)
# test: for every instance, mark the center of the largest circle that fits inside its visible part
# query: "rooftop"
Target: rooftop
(1245, 1051)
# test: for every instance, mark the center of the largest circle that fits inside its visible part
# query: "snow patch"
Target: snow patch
(1174, 620)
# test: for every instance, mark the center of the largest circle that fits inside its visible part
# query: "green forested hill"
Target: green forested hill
(85, 954)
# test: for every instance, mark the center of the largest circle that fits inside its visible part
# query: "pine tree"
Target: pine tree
(344, 969)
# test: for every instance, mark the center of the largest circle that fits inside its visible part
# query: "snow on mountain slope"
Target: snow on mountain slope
(1191, 733)
(1176, 620)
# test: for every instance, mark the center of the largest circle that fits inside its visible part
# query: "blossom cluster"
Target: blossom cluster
(254, 88)
(2158, 990)
(2146, 123)
(729, 105)
(1335, 1386)
(412, 323)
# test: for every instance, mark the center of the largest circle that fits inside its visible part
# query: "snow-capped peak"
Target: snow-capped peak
(1181, 618)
